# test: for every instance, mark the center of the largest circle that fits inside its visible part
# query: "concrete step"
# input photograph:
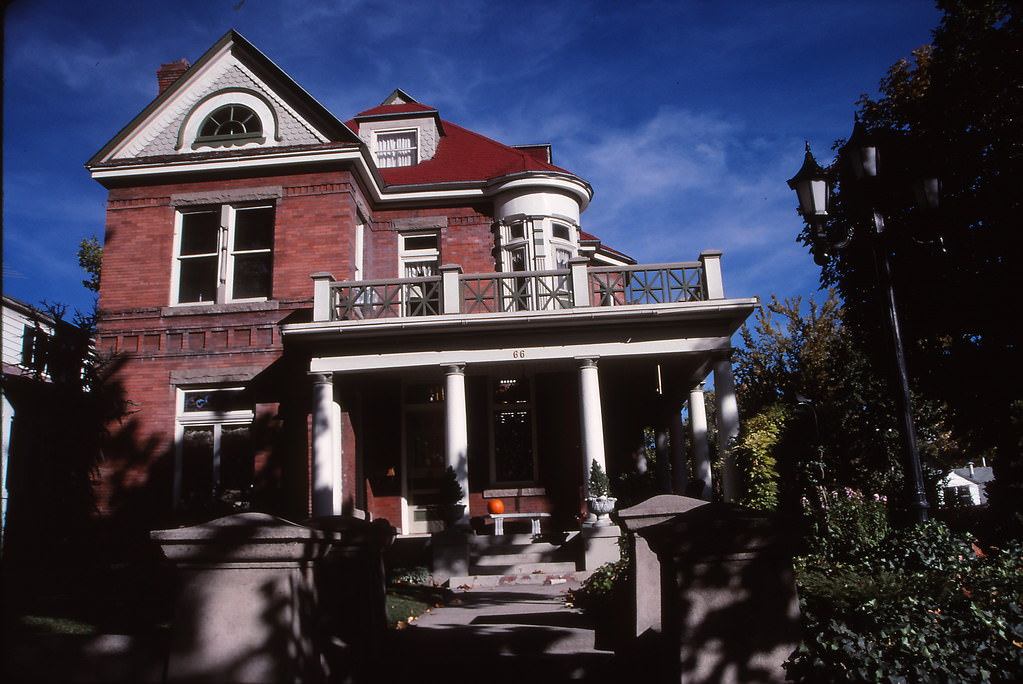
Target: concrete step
(546, 574)
(520, 558)
(507, 540)
(551, 568)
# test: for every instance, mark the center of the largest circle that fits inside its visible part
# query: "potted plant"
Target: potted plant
(599, 502)
(450, 497)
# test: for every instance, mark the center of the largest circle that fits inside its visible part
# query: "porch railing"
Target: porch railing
(453, 292)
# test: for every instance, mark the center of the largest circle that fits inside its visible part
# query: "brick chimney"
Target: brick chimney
(167, 74)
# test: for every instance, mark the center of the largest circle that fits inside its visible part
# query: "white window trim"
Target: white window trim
(529, 406)
(417, 256)
(396, 131)
(225, 254)
(360, 249)
(216, 419)
(198, 116)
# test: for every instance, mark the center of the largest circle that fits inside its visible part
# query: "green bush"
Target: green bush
(598, 594)
(927, 605)
(414, 575)
(756, 455)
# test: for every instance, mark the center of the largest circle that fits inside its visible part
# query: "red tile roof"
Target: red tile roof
(462, 155)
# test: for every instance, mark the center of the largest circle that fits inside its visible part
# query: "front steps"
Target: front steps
(518, 559)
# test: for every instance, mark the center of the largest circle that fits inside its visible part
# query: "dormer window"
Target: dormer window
(397, 148)
(232, 124)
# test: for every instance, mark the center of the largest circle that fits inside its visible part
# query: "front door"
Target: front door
(424, 457)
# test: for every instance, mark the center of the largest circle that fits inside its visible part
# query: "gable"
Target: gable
(175, 131)
(232, 72)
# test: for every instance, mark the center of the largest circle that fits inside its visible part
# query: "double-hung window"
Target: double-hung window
(223, 254)
(214, 465)
(397, 148)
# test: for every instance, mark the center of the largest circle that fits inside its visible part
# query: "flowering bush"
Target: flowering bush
(845, 524)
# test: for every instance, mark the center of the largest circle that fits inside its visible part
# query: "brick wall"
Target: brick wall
(149, 341)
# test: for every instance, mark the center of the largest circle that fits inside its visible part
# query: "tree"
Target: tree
(952, 110)
(90, 258)
(816, 412)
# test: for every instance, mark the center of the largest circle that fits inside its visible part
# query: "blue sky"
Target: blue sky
(686, 116)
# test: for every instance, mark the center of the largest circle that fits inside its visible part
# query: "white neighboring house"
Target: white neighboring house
(965, 487)
(37, 349)
(22, 326)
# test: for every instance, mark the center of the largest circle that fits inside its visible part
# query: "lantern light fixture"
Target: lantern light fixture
(812, 188)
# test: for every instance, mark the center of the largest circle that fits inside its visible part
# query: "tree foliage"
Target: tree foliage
(90, 258)
(954, 110)
(836, 428)
(817, 412)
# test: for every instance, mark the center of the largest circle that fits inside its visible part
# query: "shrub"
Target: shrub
(415, 575)
(756, 456)
(600, 485)
(597, 596)
(927, 605)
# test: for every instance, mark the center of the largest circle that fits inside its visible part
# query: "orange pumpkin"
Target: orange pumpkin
(495, 506)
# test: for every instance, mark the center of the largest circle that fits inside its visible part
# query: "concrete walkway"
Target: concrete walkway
(510, 633)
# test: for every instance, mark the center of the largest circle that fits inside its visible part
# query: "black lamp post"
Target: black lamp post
(813, 188)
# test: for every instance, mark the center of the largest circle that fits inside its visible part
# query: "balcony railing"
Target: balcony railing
(367, 299)
(453, 292)
(516, 291)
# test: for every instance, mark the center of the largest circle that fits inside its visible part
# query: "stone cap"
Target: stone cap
(718, 530)
(656, 510)
(244, 537)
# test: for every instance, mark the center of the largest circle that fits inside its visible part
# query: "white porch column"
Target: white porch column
(661, 439)
(592, 420)
(701, 450)
(327, 485)
(679, 467)
(456, 437)
(728, 426)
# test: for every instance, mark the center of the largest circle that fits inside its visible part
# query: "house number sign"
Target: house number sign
(519, 354)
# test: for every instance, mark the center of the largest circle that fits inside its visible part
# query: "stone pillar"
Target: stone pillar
(728, 426)
(326, 485)
(679, 467)
(646, 613)
(591, 417)
(701, 450)
(246, 605)
(456, 437)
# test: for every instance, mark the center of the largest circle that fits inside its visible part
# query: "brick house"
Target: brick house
(315, 316)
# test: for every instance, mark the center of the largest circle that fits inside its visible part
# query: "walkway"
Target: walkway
(521, 634)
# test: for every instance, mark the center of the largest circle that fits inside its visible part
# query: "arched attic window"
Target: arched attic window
(232, 124)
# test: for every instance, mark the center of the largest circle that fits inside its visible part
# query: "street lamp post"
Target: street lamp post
(813, 189)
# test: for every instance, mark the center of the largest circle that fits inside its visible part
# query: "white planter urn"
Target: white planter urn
(601, 506)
